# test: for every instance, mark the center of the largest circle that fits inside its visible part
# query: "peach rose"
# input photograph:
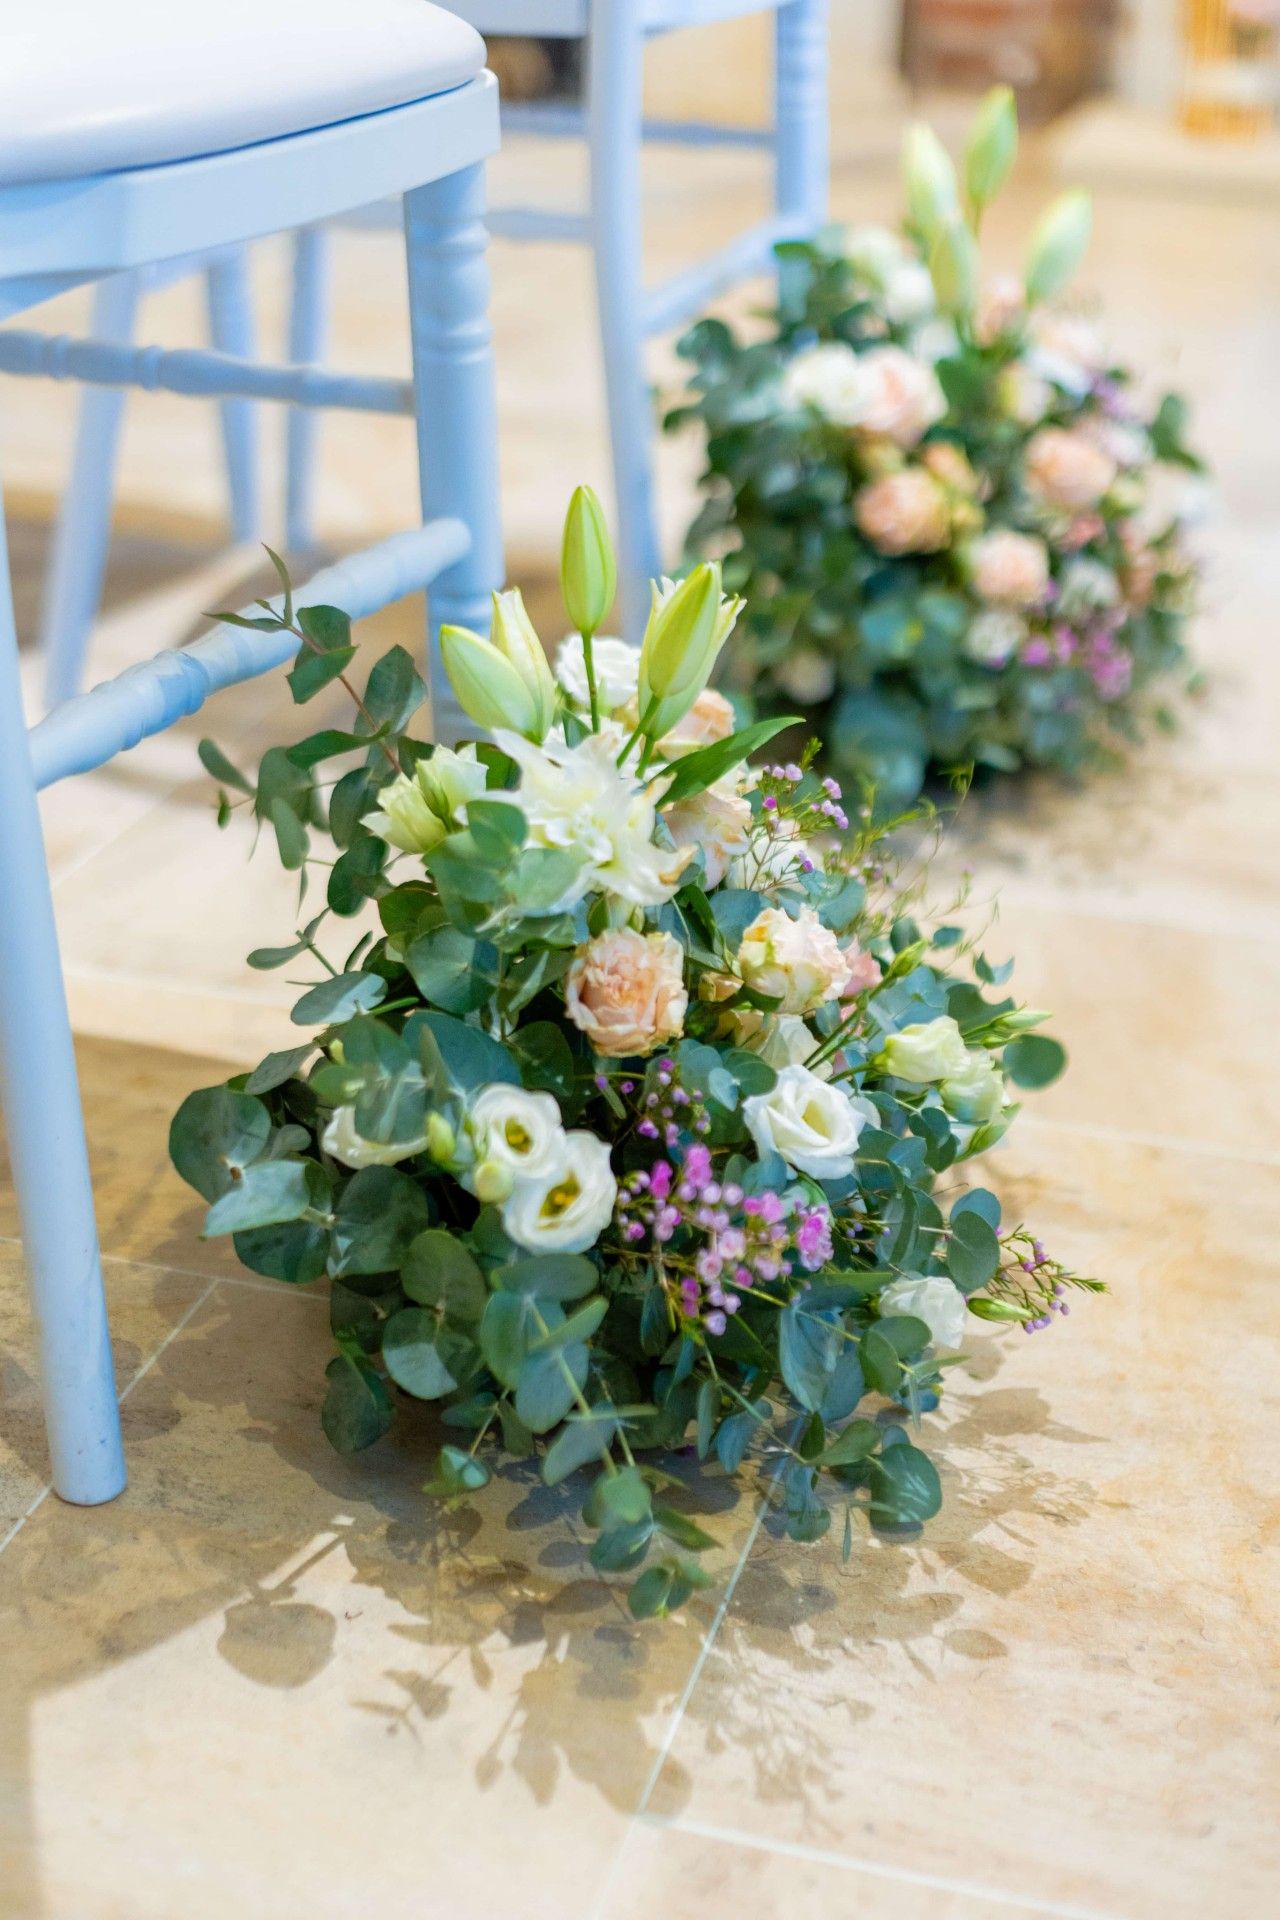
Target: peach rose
(1002, 308)
(903, 396)
(709, 718)
(718, 820)
(1009, 569)
(946, 462)
(904, 512)
(864, 971)
(797, 961)
(626, 991)
(1066, 470)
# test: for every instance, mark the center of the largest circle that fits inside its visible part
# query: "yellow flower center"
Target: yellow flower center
(561, 1198)
(518, 1138)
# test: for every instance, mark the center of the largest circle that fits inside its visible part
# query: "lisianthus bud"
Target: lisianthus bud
(442, 1141)
(991, 148)
(492, 1183)
(514, 634)
(688, 625)
(988, 1309)
(405, 818)
(588, 569)
(490, 691)
(929, 179)
(1058, 244)
(953, 262)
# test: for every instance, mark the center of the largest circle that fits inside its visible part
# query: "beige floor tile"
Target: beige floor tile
(145, 1303)
(145, 1212)
(1169, 1031)
(273, 1681)
(1064, 1692)
(683, 1871)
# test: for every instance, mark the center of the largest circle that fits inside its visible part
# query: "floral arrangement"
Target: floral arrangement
(956, 523)
(620, 1131)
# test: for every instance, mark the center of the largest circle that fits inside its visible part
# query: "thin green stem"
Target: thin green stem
(589, 662)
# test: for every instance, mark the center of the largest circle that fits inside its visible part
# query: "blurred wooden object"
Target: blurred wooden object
(1051, 52)
(1229, 82)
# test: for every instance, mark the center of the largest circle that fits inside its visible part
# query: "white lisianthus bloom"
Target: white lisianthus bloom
(814, 1126)
(908, 293)
(931, 1298)
(341, 1139)
(994, 636)
(520, 1132)
(787, 1042)
(450, 778)
(931, 1050)
(405, 818)
(806, 675)
(830, 379)
(577, 799)
(903, 395)
(978, 1093)
(796, 961)
(566, 1209)
(617, 667)
(1087, 586)
(875, 250)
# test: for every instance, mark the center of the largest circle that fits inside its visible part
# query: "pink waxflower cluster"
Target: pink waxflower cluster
(733, 1240)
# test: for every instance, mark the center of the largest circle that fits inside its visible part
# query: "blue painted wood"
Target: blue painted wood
(193, 371)
(232, 331)
(145, 699)
(78, 557)
(40, 1099)
(67, 232)
(308, 331)
(457, 407)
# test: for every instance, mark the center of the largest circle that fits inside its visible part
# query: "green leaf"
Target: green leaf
(357, 1407)
(458, 1472)
(276, 1069)
(215, 1134)
(507, 1330)
(266, 1194)
(472, 1059)
(313, 672)
(498, 828)
(621, 1548)
(584, 1437)
(338, 999)
(394, 692)
(215, 761)
(296, 1251)
(851, 1444)
(291, 835)
(808, 1348)
(905, 1488)
(979, 1200)
(547, 1390)
(549, 1276)
(651, 1593)
(379, 1213)
(708, 1414)
(447, 971)
(579, 1326)
(696, 771)
(678, 1527)
(736, 1432)
(325, 745)
(353, 878)
(973, 1252)
(624, 1499)
(906, 1335)
(411, 1356)
(438, 1271)
(880, 1364)
(1034, 1060)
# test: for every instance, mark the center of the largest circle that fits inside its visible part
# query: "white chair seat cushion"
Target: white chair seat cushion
(96, 86)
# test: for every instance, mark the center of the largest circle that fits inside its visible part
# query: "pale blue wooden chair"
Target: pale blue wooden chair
(615, 129)
(143, 132)
(78, 550)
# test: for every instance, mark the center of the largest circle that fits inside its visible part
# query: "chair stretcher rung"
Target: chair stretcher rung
(217, 376)
(145, 699)
(562, 122)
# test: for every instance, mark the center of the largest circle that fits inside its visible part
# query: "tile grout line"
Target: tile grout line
(125, 1391)
(852, 1863)
(640, 1811)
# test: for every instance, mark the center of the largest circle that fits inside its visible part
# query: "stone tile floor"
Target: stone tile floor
(273, 1682)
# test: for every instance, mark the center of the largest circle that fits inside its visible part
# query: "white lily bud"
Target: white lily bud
(1058, 244)
(489, 689)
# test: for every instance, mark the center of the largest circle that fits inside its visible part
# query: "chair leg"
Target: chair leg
(308, 335)
(802, 114)
(78, 557)
(231, 330)
(614, 133)
(40, 1100)
(457, 412)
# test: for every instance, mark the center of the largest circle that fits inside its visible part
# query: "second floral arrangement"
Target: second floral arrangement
(955, 519)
